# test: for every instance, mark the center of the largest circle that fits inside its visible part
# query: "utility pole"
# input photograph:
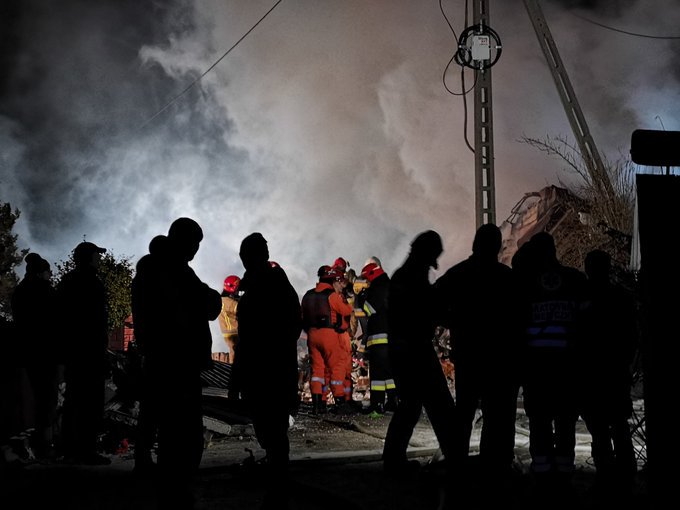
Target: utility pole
(485, 187)
(479, 48)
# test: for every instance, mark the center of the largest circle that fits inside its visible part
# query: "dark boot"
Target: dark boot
(392, 401)
(377, 407)
(341, 406)
(318, 405)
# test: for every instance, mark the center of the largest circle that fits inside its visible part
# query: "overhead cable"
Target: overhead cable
(625, 31)
(186, 89)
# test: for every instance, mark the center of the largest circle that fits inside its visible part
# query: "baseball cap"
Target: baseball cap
(87, 248)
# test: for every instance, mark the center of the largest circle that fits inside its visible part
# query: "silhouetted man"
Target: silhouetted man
(607, 348)
(266, 372)
(172, 309)
(82, 297)
(477, 297)
(417, 370)
(34, 309)
(147, 309)
(551, 295)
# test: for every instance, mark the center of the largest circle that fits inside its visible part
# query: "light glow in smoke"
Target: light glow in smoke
(327, 129)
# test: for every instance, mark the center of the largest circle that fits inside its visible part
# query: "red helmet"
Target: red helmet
(330, 274)
(371, 271)
(341, 264)
(231, 284)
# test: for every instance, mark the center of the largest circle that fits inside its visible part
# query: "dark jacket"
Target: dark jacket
(477, 301)
(375, 307)
(172, 309)
(411, 311)
(37, 322)
(269, 326)
(83, 309)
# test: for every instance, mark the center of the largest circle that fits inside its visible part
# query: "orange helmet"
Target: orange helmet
(231, 284)
(371, 271)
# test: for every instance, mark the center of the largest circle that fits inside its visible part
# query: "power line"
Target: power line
(169, 103)
(463, 92)
(625, 31)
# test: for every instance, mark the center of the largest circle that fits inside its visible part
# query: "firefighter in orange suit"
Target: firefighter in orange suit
(346, 335)
(323, 309)
(227, 318)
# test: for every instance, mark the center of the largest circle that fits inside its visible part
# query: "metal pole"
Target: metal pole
(485, 188)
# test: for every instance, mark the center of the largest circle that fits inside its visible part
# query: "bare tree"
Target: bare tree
(603, 220)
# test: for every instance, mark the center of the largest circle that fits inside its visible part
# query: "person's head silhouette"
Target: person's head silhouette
(427, 247)
(158, 245)
(185, 235)
(543, 248)
(254, 252)
(597, 265)
(488, 241)
(36, 265)
(87, 254)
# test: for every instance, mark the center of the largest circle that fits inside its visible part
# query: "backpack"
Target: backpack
(316, 310)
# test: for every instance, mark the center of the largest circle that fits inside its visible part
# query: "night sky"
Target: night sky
(328, 128)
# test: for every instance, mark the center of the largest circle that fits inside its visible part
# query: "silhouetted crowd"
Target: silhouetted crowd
(562, 339)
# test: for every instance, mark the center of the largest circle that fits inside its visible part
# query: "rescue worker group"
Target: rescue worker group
(342, 327)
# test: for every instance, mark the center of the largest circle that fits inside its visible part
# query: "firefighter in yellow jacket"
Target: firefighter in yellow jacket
(227, 318)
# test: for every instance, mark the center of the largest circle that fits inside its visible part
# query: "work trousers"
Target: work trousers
(380, 372)
(180, 432)
(421, 384)
(83, 408)
(494, 391)
(550, 403)
(327, 357)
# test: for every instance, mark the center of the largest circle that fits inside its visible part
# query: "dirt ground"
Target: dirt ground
(335, 464)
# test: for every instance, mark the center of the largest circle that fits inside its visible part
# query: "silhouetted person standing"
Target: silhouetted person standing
(147, 311)
(266, 372)
(418, 372)
(551, 297)
(607, 348)
(83, 307)
(172, 309)
(35, 313)
(478, 297)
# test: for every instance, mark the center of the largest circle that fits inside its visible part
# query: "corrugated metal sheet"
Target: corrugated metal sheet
(218, 376)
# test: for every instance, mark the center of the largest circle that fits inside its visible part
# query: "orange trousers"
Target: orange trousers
(326, 357)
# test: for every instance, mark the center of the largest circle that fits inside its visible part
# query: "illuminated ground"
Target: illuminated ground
(335, 465)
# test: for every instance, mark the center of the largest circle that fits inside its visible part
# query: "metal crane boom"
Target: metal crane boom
(589, 152)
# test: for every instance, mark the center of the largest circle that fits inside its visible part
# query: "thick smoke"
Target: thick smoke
(328, 128)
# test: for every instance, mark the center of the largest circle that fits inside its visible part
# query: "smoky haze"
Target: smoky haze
(328, 128)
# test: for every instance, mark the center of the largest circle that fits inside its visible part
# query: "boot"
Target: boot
(392, 401)
(318, 405)
(377, 407)
(341, 407)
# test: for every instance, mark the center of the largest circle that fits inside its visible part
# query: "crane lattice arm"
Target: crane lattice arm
(589, 153)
